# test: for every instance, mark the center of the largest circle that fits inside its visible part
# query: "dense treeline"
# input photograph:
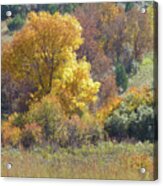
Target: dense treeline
(67, 70)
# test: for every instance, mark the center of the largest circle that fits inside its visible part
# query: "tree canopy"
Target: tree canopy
(44, 51)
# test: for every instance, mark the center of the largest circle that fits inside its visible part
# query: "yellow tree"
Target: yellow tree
(45, 42)
(74, 86)
(44, 50)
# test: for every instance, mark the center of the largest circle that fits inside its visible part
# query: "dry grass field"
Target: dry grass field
(107, 161)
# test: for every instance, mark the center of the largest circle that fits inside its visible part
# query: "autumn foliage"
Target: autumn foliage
(66, 76)
(41, 46)
(11, 135)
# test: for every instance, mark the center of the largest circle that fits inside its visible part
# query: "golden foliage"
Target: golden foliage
(132, 99)
(44, 50)
(139, 161)
(138, 96)
(45, 42)
(108, 108)
(10, 134)
(74, 86)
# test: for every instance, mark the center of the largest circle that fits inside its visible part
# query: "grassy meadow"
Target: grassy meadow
(106, 161)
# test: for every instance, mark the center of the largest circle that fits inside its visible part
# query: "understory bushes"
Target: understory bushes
(135, 117)
(130, 116)
(138, 124)
(46, 122)
(66, 75)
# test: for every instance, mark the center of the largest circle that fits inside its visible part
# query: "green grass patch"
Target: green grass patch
(145, 74)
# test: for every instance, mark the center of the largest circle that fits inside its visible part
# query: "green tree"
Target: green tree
(121, 77)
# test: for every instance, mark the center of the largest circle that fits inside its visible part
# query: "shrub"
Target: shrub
(142, 128)
(16, 23)
(17, 119)
(134, 117)
(49, 114)
(138, 96)
(117, 125)
(47, 123)
(11, 135)
(31, 134)
(138, 124)
(75, 131)
(82, 131)
(107, 109)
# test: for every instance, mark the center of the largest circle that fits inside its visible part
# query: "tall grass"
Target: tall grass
(106, 161)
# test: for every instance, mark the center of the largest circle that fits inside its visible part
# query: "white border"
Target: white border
(59, 182)
(61, 1)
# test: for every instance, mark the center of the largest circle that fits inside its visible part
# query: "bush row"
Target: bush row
(46, 122)
(130, 116)
(135, 117)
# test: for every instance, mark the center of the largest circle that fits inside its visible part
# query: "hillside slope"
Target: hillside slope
(145, 74)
